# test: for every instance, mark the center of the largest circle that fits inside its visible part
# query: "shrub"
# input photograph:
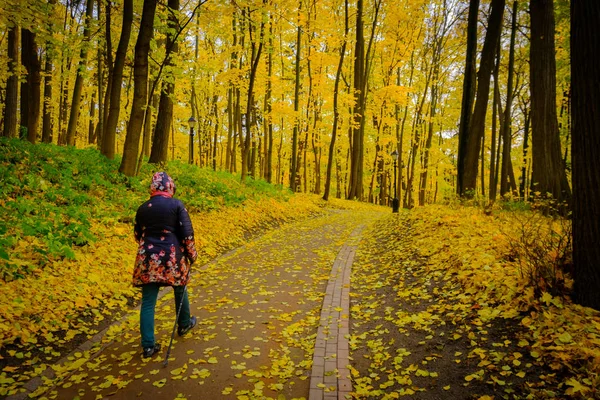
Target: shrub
(542, 247)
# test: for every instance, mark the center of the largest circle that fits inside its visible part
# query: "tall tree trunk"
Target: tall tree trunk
(294, 155)
(471, 155)
(91, 119)
(110, 69)
(109, 136)
(548, 170)
(269, 107)
(465, 136)
(12, 88)
(493, 185)
(355, 187)
(585, 76)
(99, 82)
(47, 110)
(140, 90)
(164, 119)
(254, 61)
(506, 128)
(31, 88)
(523, 186)
(74, 115)
(336, 111)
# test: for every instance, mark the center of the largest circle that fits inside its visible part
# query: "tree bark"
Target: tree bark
(12, 88)
(355, 184)
(109, 136)
(47, 110)
(164, 119)
(140, 90)
(506, 127)
(465, 135)
(247, 158)
(481, 103)
(585, 80)
(74, 115)
(269, 108)
(31, 88)
(294, 155)
(336, 111)
(548, 175)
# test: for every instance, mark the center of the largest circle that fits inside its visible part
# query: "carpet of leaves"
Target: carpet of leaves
(439, 310)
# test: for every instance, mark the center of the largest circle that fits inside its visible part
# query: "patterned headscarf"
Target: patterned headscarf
(162, 185)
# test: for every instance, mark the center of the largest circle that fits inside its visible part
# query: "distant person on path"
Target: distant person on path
(166, 251)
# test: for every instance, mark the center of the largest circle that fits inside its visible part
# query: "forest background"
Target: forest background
(397, 103)
(408, 102)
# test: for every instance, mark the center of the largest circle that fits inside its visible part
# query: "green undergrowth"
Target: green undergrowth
(52, 196)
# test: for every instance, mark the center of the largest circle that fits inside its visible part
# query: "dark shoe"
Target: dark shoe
(150, 351)
(183, 330)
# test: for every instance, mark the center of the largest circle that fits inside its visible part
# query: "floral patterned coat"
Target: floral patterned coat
(165, 236)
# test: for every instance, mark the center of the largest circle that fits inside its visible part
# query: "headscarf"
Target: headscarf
(162, 185)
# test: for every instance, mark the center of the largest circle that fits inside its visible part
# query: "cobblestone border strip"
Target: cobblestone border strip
(330, 375)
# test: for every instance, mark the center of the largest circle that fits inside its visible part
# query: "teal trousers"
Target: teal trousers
(149, 296)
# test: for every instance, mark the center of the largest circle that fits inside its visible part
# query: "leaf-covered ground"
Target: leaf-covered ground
(258, 310)
(439, 312)
(439, 305)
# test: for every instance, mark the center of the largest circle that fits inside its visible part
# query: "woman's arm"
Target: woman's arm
(187, 234)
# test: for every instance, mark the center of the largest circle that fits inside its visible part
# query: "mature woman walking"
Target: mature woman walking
(166, 251)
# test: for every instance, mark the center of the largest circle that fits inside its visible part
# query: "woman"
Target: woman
(166, 252)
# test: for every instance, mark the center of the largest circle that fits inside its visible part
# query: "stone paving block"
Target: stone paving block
(317, 373)
(315, 394)
(330, 380)
(331, 348)
(319, 361)
(330, 366)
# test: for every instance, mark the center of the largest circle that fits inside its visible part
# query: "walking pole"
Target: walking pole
(176, 319)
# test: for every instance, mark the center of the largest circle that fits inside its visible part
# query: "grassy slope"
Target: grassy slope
(66, 243)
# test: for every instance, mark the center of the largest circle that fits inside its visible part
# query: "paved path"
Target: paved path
(272, 315)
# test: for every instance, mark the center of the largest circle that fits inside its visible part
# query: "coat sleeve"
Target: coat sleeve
(137, 228)
(186, 232)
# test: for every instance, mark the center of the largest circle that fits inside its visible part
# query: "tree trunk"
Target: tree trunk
(164, 118)
(269, 107)
(471, 155)
(140, 90)
(585, 141)
(465, 135)
(523, 186)
(493, 185)
(74, 115)
(294, 155)
(12, 88)
(548, 170)
(31, 88)
(336, 111)
(47, 110)
(355, 184)
(506, 127)
(109, 136)
(109, 79)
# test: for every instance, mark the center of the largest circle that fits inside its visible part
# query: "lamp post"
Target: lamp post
(192, 124)
(395, 201)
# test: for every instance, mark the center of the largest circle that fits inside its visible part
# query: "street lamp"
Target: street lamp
(395, 201)
(192, 124)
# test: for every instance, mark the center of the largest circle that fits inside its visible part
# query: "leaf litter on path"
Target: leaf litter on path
(258, 311)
